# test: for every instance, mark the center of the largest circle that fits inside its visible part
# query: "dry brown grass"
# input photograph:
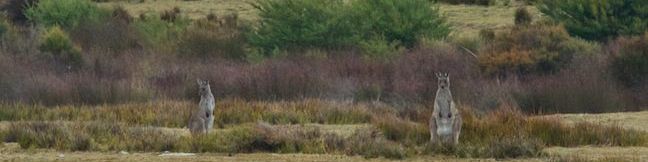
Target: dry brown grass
(192, 9)
(176, 113)
(13, 152)
(589, 153)
(628, 120)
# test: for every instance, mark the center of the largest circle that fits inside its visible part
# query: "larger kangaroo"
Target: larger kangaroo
(445, 123)
(202, 119)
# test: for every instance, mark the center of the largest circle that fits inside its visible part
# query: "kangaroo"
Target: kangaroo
(445, 123)
(202, 119)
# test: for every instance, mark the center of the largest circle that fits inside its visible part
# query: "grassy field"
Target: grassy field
(629, 120)
(467, 20)
(13, 152)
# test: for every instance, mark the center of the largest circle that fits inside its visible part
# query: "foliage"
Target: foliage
(158, 33)
(301, 23)
(56, 42)
(597, 19)
(404, 22)
(65, 13)
(538, 48)
(296, 24)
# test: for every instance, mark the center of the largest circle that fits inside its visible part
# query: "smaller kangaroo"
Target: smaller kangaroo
(445, 123)
(202, 119)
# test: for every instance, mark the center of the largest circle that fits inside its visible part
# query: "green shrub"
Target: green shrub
(596, 19)
(159, 33)
(65, 13)
(380, 49)
(522, 16)
(298, 24)
(404, 22)
(630, 61)
(301, 23)
(56, 42)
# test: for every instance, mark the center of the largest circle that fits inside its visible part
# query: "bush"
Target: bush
(158, 33)
(56, 42)
(538, 48)
(205, 38)
(65, 13)
(598, 20)
(301, 23)
(380, 49)
(514, 61)
(630, 60)
(404, 22)
(112, 33)
(16, 10)
(522, 16)
(296, 24)
(577, 89)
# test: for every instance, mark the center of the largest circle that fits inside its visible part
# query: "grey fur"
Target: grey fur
(445, 123)
(202, 119)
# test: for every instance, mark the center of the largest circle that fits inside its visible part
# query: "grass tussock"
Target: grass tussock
(246, 138)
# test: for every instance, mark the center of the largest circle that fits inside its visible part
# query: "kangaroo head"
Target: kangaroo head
(204, 88)
(444, 80)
